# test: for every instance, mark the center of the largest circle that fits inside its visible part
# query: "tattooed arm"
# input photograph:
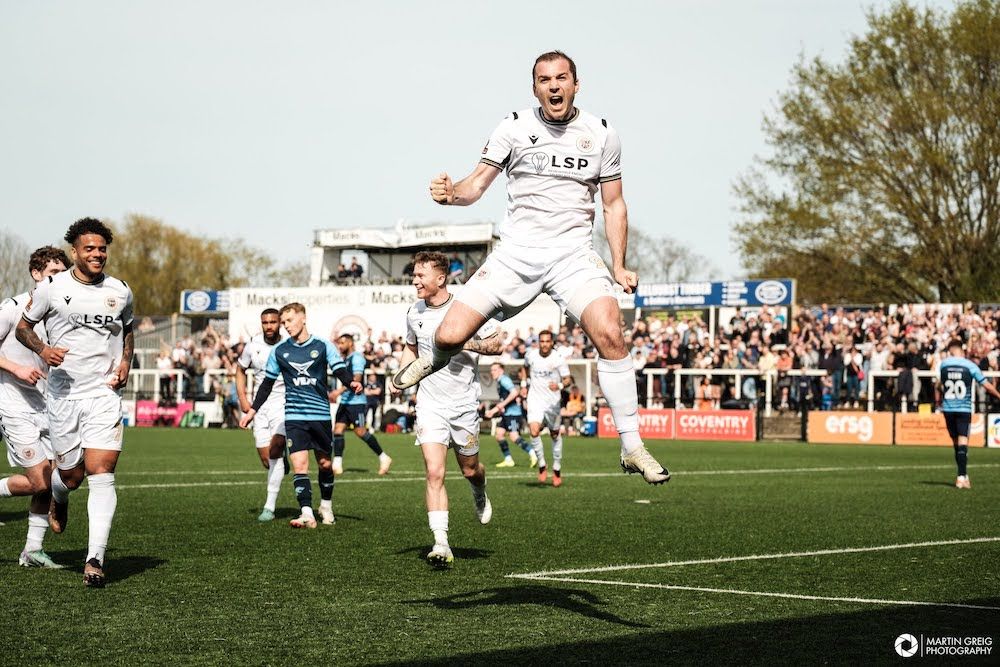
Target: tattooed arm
(25, 334)
(491, 345)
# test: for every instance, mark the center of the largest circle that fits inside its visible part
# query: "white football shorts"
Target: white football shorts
(269, 422)
(457, 429)
(27, 438)
(543, 411)
(509, 280)
(85, 423)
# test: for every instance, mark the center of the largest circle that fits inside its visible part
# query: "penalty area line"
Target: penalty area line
(546, 574)
(790, 596)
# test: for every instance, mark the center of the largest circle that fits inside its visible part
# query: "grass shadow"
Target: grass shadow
(119, 568)
(928, 482)
(848, 637)
(10, 517)
(573, 600)
(462, 553)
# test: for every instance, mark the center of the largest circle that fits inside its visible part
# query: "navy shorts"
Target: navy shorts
(352, 414)
(301, 436)
(958, 423)
(512, 423)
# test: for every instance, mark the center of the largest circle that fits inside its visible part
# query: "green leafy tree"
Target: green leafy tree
(883, 179)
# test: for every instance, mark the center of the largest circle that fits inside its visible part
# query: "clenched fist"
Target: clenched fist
(442, 189)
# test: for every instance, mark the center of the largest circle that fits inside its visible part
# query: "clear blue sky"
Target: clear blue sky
(270, 119)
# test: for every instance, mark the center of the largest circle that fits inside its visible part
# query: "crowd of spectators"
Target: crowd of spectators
(841, 347)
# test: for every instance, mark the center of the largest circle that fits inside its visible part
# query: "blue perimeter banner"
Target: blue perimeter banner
(204, 302)
(729, 293)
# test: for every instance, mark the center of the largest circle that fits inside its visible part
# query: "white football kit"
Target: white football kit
(543, 402)
(448, 400)
(270, 419)
(88, 319)
(554, 169)
(24, 423)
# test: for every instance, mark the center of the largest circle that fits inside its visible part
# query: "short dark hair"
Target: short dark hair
(956, 343)
(549, 56)
(438, 260)
(294, 306)
(545, 332)
(47, 253)
(346, 336)
(88, 226)
(270, 311)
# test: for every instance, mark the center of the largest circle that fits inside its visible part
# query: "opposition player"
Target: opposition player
(87, 316)
(301, 361)
(548, 373)
(269, 422)
(954, 392)
(511, 417)
(24, 423)
(447, 402)
(556, 158)
(352, 410)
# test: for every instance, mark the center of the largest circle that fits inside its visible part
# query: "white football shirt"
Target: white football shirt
(553, 172)
(456, 386)
(88, 319)
(16, 394)
(254, 357)
(542, 371)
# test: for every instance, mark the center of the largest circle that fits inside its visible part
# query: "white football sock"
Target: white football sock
(307, 513)
(275, 472)
(440, 358)
(438, 521)
(536, 445)
(383, 456)
(326, 504)
(59, 489)
(101, 505)
(37, 523)
(557, 453)
(5, 489)
(617, 380)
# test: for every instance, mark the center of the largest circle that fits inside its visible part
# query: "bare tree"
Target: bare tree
(655, 259)
(14, 252)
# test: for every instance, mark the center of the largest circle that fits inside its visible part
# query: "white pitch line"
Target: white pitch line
(792, 596)
(735, 471)
(733, 559)
(510, 476)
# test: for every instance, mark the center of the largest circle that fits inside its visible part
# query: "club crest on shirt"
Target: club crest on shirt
(29, 454)
(111, 302)
(314, 354)
(584, 144)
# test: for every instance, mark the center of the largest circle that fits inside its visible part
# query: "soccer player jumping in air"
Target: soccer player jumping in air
(556, 158)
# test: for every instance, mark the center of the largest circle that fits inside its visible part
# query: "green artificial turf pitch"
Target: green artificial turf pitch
(194, 578)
